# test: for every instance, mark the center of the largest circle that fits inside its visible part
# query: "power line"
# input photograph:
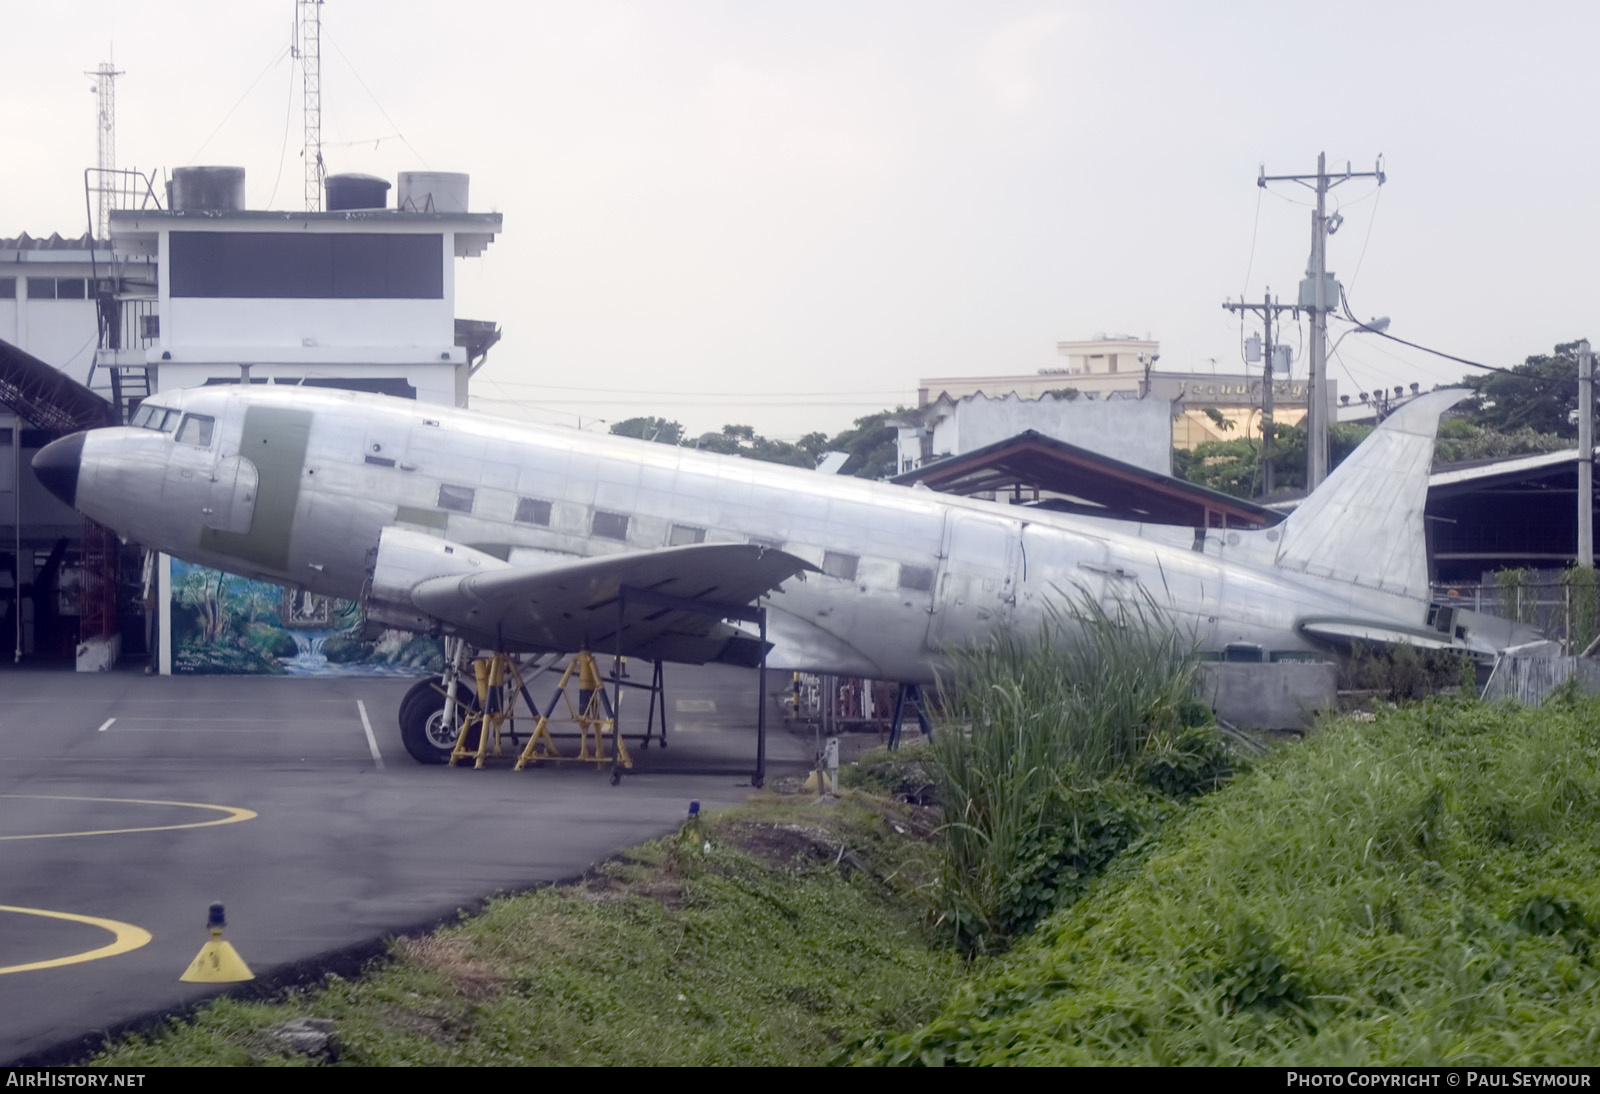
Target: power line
(705, 394)
(375, 101)
(280, 55)
(1366, 238)
(1251, 265)
(283, 149)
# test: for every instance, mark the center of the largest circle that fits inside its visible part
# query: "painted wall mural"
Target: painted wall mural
(225, 624)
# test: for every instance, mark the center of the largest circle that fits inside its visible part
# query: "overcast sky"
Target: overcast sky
(785, 214)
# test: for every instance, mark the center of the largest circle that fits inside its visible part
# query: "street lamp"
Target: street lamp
(1372, 326)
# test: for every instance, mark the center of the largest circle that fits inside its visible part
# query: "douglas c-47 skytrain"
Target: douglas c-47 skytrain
(518, 538)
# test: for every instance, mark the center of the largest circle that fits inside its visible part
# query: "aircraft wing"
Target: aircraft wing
(571, 605)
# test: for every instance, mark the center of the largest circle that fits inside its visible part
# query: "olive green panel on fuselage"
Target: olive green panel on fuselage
(275, 440)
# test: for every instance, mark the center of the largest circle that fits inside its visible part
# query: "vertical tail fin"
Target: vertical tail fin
(1364, 523)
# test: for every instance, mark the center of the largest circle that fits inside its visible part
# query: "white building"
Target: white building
(361, 296)
(1098, 367)
(1135, 431)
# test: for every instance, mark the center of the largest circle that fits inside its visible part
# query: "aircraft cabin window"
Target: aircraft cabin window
(145, 419)
(838, 564)
(917, 579)
(196, 430)
(532, 511)
(457, 498)
(683, 534)
(610, 525)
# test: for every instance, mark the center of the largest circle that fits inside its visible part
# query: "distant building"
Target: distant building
(1099, 367)
(361, 296)
(1132, 430)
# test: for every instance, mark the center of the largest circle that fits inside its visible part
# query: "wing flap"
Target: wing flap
(574, 605)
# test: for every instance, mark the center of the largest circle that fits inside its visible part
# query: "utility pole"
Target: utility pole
(1266, 309)
(1585, 454)
(1314, 297)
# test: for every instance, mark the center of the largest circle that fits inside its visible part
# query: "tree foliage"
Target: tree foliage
(870, 443)
(1460, 439)
(650, 428)
(1234, 466)
(743, 440)
(873, 445)
(1541, 395)
(1529, 409)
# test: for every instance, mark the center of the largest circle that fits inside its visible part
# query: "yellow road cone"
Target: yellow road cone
(217, 962)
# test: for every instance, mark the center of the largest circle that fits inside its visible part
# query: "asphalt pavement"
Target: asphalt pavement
(128, 803)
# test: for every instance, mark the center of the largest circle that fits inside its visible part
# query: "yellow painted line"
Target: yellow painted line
(126, 937)
(231, 815)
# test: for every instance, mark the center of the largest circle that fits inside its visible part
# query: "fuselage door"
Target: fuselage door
(975, 590)
(234, 483)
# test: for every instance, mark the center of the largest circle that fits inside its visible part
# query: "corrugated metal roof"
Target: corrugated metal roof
(1508, 466)
(52, 242)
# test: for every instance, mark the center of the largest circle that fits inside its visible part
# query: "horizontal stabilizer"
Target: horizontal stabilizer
(1345, 632)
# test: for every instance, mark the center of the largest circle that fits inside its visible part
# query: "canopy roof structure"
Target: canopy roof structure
(1066, 478)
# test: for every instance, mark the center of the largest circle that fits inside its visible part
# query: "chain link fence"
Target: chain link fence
(1562, 604)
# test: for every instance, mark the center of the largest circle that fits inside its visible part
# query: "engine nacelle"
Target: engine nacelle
(402, 561)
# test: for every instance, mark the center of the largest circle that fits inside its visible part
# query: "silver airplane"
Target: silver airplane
(516, 538)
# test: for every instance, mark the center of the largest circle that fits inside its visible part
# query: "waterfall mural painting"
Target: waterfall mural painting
(225, 624)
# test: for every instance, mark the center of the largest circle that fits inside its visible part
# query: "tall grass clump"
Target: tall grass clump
(1423, 890)
(1059, 750)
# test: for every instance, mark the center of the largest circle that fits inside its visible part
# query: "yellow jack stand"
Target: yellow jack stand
(496, 678)
(592, 714)
(217, 962)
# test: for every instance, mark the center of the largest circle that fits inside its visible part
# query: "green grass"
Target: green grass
(1422, 890)
(789, 939)
(1058, 751)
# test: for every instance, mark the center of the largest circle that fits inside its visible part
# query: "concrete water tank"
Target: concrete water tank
(431, 192)
(353, 191)
(210, 189)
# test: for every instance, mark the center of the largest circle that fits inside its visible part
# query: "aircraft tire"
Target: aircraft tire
(421, 724)
(428, 685)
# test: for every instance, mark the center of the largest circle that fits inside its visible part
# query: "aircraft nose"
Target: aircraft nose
(56, 467)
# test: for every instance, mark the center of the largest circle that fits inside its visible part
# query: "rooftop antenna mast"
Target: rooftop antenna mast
(105, 92)
(308, 51)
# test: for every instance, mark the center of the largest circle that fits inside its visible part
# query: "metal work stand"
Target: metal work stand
(914, 693)
(628, 594)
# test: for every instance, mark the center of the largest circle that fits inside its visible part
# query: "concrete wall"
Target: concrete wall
(1276, 695)
(253, 326)
(1136, 431)
(60, 332)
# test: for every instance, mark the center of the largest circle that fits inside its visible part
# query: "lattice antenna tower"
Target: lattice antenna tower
(308, 50)
(105, 93)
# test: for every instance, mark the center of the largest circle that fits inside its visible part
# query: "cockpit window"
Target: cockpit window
(154, 416)
(196, 430)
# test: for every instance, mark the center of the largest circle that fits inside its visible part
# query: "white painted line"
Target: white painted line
(107, 726)
(372, 742)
